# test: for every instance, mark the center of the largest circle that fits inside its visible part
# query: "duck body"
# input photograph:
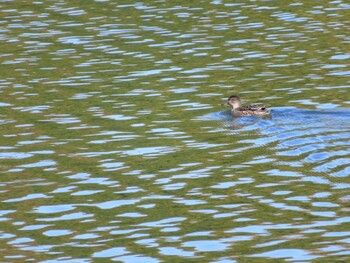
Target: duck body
(250, 110)
(237, 110)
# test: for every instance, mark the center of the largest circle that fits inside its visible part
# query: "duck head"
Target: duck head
(233, 101)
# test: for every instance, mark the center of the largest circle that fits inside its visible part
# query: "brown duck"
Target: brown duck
(237, 110)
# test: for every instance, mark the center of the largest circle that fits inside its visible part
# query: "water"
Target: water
(114, 146)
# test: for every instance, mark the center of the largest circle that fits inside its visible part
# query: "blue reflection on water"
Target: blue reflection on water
(289, 254)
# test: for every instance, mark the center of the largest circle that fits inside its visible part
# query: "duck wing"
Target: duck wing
(253, 108)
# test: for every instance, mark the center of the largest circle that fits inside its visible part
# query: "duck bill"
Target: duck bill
(225, 104)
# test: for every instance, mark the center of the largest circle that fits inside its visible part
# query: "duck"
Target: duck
(237, 110)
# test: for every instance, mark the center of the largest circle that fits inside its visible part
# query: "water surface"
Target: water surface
(114, 146)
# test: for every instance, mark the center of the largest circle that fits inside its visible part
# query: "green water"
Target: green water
(114, 146)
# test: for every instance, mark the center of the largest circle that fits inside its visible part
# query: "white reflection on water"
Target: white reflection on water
(119, 117)
(27, 197)
(174, 251)
(55, 233)
(42, 163)
(111, 252)
(207, 245)
(150, 151)
(288, 254)
(66, 217)
(14, 155)
(49, 209)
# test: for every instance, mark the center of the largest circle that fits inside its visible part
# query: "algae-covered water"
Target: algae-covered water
(114, 146)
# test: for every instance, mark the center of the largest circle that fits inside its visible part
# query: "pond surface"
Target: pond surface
(114, 146)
